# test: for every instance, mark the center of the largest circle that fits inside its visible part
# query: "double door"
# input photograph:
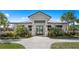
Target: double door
(39, 29)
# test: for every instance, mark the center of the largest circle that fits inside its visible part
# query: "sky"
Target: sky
(22, 15)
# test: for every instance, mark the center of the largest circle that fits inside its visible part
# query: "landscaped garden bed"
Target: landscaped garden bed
(20, 32)
(65, 45)
(11, 46)
(58, 33)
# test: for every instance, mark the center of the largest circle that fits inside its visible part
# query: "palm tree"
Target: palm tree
(68, 17)
(3, 20)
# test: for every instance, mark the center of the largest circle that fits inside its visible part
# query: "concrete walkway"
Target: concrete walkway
(39, 42)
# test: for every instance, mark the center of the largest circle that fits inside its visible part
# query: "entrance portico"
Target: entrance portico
(39, 23)
(39, 29)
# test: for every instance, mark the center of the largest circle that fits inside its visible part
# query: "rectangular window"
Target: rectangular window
(49, 27)
(39, 21)
(30, 27)
(59, 26)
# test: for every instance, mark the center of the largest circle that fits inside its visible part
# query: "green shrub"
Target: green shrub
(70, 34)
(8, 34)
(29, 35)
(77, 34)
(22, 31)
(50, 34)
(54, 32)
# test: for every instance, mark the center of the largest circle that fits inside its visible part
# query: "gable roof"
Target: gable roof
(40, 12)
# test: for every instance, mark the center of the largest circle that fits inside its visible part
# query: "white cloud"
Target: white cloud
(8, 15)
(55, 20)
(20, 19)
(25, 18)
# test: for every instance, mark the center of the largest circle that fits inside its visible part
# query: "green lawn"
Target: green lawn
(11, 46)
(65, 45)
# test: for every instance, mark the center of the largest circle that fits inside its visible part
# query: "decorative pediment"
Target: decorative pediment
(39, 15)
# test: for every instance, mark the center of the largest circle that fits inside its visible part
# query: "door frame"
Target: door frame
(40, 30)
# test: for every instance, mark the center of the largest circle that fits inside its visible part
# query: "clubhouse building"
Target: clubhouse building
(39, 24)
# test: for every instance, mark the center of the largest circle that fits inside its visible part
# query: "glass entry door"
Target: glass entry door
(39, 29)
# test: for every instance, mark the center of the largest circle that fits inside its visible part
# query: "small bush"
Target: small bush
(77, 34)
(70, 34)
(54, 32)
(29, 35)
(8, 34)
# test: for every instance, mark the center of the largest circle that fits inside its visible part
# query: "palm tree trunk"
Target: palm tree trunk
(68, 27)
(4, 28)
(73, 28)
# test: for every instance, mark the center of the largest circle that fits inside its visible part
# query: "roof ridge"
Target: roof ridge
(38, 12)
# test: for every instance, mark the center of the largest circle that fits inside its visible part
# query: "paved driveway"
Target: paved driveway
(39, 42)
(36, 42)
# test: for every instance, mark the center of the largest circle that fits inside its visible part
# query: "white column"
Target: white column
(46, 29)
(33, 29)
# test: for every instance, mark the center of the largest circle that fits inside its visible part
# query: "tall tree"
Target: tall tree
(69, 17)
(3, 20)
